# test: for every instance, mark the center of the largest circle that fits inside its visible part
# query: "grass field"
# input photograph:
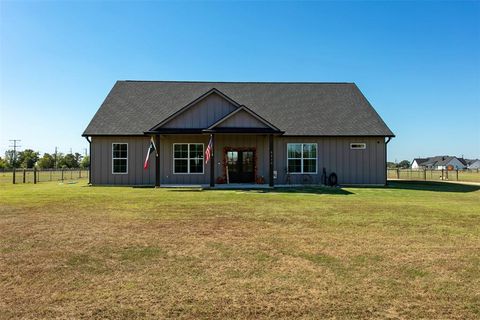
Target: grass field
(72, 251)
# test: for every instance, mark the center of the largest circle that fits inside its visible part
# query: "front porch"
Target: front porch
(239, 144)
(237, 160)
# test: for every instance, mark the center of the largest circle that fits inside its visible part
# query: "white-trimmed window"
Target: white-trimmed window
(302, 158)
(358, 145)
(188, 158)
(119, 158)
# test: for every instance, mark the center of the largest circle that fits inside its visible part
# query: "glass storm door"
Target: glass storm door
(241, 167)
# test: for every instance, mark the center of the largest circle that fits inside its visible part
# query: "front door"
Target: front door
(241, 166)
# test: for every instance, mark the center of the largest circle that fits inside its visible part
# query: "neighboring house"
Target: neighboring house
(417, 163)
(272, 133)
(473, 164)
(439, 163)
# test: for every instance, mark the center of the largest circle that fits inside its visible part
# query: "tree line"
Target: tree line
(404, 164)
(29, 158)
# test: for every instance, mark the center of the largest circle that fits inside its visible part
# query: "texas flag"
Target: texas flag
(151, 147)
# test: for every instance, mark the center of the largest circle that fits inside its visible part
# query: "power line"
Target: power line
(15, 146)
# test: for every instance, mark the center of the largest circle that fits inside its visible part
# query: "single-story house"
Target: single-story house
(439, 163)
(256, 132)
(473, 164)
(417, 163)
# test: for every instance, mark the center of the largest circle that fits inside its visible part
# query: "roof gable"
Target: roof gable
(243, 118)
(201, 112)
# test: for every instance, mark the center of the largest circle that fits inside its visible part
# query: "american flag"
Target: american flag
(208, 152)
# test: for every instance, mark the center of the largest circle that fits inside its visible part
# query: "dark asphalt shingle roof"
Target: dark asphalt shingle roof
(420, 161)
(438, 161)
(323, 109)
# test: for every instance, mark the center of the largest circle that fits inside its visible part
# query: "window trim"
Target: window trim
(113, 158)
(363, 147)
(188, 158)
(302, 158)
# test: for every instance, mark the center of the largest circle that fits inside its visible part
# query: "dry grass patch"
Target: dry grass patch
(70, 251)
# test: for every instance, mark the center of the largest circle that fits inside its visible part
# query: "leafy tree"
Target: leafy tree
(391, 165)
(3, 163)
(27, 158)
(85, 163)
(404, 164)
(67, 161)
(78, 158)
(46, 162)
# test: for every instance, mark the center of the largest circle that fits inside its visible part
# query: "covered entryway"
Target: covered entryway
(233, 135)
(240, 166)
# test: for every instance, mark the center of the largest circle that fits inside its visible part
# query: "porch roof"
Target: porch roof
(215, 130)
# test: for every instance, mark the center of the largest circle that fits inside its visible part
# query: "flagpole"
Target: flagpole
(212, 163)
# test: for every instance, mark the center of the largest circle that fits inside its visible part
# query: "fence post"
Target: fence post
(442, 174)
(50, 174)
(398, 173)
(24, 173)
(34, 175)
(457, 174)
(13, 175)
(425, 174)
(79, 173)
(446, 173)
(62, 173)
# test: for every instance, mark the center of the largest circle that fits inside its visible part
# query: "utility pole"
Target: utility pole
(15, 146)
(55, 158)
(71, 151)
(85, 151)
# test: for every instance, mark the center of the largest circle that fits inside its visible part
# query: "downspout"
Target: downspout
(386, 166)
(89, 160)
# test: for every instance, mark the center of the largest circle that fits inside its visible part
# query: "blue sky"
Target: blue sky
(418, 63)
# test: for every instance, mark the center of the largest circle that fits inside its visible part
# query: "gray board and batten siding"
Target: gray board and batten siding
(331, 115)
(101, 161)
(364, 166)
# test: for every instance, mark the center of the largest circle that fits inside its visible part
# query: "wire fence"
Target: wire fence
(42, 175)
(472, 175)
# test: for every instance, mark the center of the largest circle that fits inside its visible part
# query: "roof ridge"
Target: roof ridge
(253, 82)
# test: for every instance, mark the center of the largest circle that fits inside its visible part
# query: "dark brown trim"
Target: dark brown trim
(247, 110)
(212, 162)
(271, 159)
(386, 160)
(194, 102)
(242, 130)
(177, 131)
(115, 135)
(337, 136)
(201, 130)
(89, 159)
(157, 161)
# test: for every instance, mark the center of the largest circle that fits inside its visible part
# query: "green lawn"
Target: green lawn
(72, 251)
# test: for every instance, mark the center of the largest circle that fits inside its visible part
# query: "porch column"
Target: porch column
(270, 151)
(212, 162)
(157, 161)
